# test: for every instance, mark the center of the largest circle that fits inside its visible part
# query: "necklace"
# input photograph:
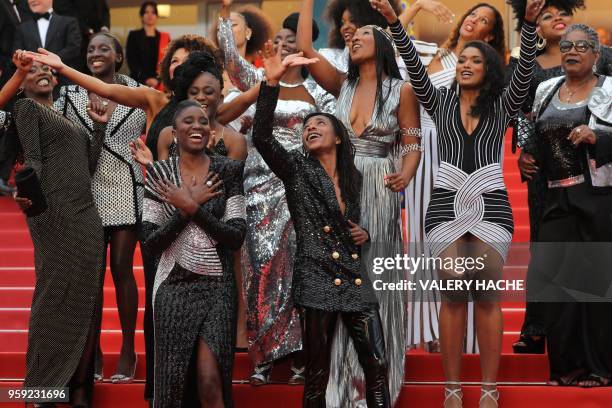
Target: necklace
(572, 93)
(286, 85)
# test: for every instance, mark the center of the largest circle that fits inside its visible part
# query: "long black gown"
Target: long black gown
(68, 242)
(194, 293)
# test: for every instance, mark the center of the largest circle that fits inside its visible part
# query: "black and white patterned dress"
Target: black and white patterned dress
(118, 183)
(194, 293)
(469, 193)
(68, 242)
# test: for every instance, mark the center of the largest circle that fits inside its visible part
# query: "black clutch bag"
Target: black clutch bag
(28, 186)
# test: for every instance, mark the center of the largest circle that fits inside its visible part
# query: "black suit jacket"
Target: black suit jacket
(9, 23)
(63, 37)
(91, 14)
(141, 58)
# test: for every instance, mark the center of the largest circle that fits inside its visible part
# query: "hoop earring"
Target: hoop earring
(541, 43)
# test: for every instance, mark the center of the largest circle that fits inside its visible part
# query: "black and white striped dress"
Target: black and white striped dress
(469, 195)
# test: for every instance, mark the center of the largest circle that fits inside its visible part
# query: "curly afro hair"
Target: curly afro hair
(518, 6)
(197, 63)
(257, 21)
(362, 14)
(190, 43)
(498, 40)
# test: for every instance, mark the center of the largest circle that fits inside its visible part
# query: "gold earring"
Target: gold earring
(541, 44)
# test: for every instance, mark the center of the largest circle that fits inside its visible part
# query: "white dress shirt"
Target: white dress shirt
(43, 27)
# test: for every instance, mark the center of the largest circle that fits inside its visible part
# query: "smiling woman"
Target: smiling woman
(117, 184)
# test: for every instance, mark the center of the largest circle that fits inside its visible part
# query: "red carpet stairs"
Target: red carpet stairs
(522, 376)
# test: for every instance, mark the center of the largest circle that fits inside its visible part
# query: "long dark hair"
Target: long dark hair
(498, 40)
(197, 63)
(348, 175)
(385, 64)
(494, 76)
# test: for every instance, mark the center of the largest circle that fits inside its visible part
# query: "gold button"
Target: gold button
(355, 256)
(358, 282)
(335, 255)
(337, 281)
(327, 229)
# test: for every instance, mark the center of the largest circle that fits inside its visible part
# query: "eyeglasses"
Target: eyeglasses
(581, 46)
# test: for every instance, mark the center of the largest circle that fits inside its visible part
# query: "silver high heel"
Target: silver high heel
(492, 394)
(453, 392)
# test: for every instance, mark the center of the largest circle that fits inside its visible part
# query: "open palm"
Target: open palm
(276, 67)
(47, 58)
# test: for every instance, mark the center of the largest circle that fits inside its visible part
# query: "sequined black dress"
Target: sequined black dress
(194, 293)
(68, 242)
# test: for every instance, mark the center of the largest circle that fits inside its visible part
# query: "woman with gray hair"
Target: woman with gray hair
(570, 268)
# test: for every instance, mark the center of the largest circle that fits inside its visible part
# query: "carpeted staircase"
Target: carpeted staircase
(522, 376)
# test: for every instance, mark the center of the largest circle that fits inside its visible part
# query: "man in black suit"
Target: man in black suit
(93, 16)
(47, 29)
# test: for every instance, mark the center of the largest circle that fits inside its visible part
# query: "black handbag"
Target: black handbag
(28, 186)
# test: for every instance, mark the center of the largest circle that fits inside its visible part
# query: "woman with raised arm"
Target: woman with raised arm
(552, 23)
(117, 186)
(469, 214)
(329, 282)
(240, 35)
(159, 108)
(194, 218)
(67, 235)
(381, 114)
(480, 22)
(270, 244)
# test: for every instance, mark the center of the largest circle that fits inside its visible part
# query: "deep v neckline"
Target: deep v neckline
(462, 126)
(332, 188)
(369, 124)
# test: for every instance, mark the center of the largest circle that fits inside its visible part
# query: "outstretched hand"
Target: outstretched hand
(275, 67)
(437, 8)
(533, 8)
(385, 9)
(140, 152)
(48, 58)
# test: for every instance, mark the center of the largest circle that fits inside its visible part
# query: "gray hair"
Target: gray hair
(590, 33)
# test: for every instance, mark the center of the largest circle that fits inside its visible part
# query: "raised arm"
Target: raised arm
(230, 111)
(9, 90)
(437, 8)
(323, 71)
(242, 73)
(148, 99)
(230, 230)
(517, 91)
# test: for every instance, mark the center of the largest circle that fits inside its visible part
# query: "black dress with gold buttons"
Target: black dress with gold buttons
(328, 274)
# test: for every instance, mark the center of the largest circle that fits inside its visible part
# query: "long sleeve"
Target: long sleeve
(274, 154)
(159, 229)
(26, 120)
(518, 89)
(604, 64)
(425, 91)
(603, 147)
(133, 56)
(243, 74)
(231, 229)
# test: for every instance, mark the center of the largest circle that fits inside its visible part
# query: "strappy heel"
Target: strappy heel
(453, 392)
(261, 374)
(298, 375)
(492, 394)
(123, 378)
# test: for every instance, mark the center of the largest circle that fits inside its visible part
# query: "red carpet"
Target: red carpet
(522, 375)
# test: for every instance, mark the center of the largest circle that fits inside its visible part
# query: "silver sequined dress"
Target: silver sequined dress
(273, 325)
(380, 215)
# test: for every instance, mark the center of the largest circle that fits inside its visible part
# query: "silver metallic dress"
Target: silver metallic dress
(380, 215)
(273, 326)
